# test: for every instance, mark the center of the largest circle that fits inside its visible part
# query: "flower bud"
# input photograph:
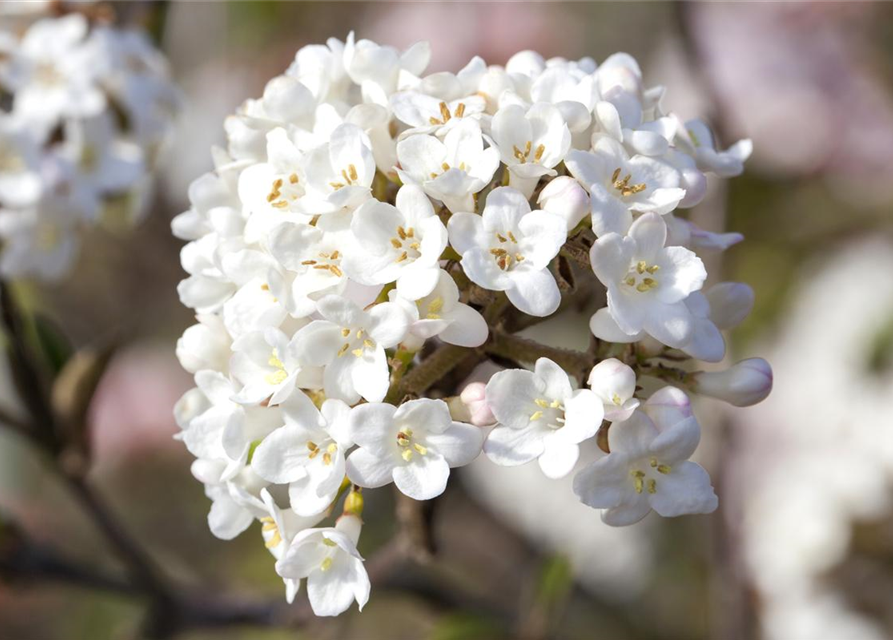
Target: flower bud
(475, 398)
(565, 197)
(350, 525)
(353, 503)
(730, 303)
(745, 383)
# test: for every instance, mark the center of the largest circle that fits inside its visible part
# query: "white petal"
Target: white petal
(534, 293)
(467, 328)
(650, 234)
(511, 395)
(367, 470)
(671, 324)
(281, 456)
(511, 447)
(328, 592)
(685, 490)
(459, 444)
(424, 477)
(227, 519)
(558, 459)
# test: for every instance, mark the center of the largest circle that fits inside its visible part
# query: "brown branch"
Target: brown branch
(512, 346)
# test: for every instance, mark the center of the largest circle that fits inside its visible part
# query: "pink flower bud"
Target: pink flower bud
(745, 383)
(475, 398)
(565, 197)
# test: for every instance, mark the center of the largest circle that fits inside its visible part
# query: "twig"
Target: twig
(517, 348)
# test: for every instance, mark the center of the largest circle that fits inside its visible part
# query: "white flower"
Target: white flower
(315, 257)
(429, 114)
(540, 416)
(530, 143)
(648, 283)
(271, 191)
(413, 445)
(509, 248)
(39, 240)
(743, 384)
(339, 173)
(218, 429)
(400, 243)
(648, 467)
(620, 116)
(20, 180)
(615, 385)
(50, 74)
(620, 70)
(214, 206)
(564, 197)
(350, 343)
(205, 345)
(233, 507)
(723, 306)
(377, 69)
(329, 559)
(620, 185)
(307, 453)
(451, 170)
(279, 528)
(135, 74)
(321, 69)
(268, 366)
(104, 164)
(695, 138)
(262, 298)
(441, 314)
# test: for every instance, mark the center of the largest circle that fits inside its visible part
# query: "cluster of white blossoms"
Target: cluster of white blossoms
(83, 110)
(368, 225)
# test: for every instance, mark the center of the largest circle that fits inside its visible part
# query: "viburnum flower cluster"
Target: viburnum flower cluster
(83, 110)
(371, 232)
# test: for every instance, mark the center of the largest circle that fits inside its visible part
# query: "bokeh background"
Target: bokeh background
(802, 545)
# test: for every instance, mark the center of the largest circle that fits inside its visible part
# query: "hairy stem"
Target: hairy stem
(515, 347)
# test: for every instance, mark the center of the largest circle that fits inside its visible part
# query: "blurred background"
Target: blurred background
(802, 545)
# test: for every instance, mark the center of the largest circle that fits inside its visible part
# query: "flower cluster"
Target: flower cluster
(369, 228)
(85, 108)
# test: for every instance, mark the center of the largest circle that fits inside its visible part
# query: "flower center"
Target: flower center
(623, 185)
(270, 526)
(405, 442)
(283, 191)
(445, 114)
(328, 561)
(524, 156)
(550, 412)
(349, 177)
(47, 73)
(505, 252)
(435, 307)
(446, 167)
(641, 479)
(406, 242)
(640, 277)
(326, 261)
(279, 374)
(357, 345)
(328, 450)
